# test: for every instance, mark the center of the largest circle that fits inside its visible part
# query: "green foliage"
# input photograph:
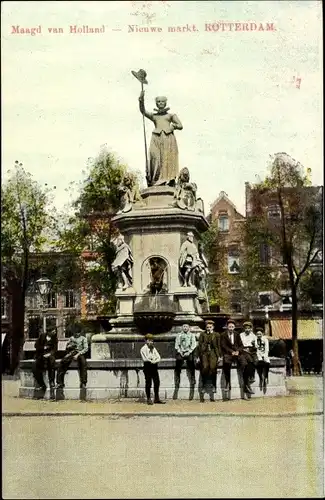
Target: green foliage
(215, 252)
(89, 232)
(25, 219)
(292, 232)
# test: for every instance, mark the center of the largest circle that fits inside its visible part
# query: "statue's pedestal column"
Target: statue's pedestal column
(125, 302)
(99, 348)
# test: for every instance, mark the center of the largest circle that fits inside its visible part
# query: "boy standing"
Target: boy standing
(151, 357)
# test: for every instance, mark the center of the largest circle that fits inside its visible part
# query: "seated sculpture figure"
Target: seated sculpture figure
(158, 270)
(129, 194)
(185, 194)
(123, 263)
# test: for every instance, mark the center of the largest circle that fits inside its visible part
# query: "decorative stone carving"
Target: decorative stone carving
(193, 266)
(158, 270)
(185, 194)
(123, 263)
(129, 194)
(200, 274)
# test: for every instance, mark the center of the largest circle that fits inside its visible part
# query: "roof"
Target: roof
(308, 329)
(224, 196)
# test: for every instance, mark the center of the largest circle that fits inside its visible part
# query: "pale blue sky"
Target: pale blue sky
(65, 95)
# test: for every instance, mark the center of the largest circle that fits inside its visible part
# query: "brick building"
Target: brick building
(229, 221)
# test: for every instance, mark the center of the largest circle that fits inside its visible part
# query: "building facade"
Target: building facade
(229, 222)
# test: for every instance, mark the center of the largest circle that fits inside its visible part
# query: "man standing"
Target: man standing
(232, 350)
(76, 349)
(249, 341)
(208, 351)
(46, 347)
(263, 361)
(185, 344)
(151, 357)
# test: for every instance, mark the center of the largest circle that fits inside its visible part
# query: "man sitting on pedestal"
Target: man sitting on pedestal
(185, 344)
(76, 349)
(249, 341)
(151, 357)
(46, 347)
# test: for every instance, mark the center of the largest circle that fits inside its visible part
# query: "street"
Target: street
(162, 457)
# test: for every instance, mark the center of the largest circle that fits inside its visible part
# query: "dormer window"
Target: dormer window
(223, 222)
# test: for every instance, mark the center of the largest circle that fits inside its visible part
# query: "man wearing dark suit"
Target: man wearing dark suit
(208, 352)
(232, 349)
(46, 347)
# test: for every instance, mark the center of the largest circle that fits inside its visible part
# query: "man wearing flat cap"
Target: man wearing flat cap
(208, 352)
(151, 357)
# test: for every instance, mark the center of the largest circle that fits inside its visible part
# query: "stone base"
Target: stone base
(118, 379)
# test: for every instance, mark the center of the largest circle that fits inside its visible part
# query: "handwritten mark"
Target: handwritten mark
(297, 81)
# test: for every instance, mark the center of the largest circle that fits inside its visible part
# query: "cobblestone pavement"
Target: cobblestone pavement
(72, 457)
(113, 449)
(305, 397)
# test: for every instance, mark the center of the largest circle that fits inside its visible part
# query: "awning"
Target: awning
(308, 329)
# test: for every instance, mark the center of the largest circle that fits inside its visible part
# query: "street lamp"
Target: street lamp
(266, 311)
(44, 286)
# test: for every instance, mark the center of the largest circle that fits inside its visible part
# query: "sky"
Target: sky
(240, 95)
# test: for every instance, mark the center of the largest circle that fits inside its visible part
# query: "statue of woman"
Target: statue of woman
(163, 161)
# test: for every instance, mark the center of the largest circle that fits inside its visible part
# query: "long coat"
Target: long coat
(43, 346)
(209, 352)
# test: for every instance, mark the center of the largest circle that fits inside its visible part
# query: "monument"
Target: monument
(167, 287)
(161, 275)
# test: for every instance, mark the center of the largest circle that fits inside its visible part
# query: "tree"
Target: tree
(88, 234)
(283, 233)
(25, 222)
(215, 252)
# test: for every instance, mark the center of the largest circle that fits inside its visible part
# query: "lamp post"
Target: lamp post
(44, 286)
(266, 310)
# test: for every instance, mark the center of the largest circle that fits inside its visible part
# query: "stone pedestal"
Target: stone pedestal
(155, 227)
(123, 378)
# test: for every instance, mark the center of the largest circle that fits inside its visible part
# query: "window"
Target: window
(236, 296)
(233, 265)
(273, 212)
(223, 223)
(265, 254)
(51, 300)
(265, 299)
(34, 327)
(69, 325)
(50, 323)
(32, 301)
(4, 311)
(69, 299)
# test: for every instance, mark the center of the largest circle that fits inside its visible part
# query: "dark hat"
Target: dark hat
(231, 321)
(140, 75)
(247, 323)
(209, 322)
(259, 329)
(149, 336)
